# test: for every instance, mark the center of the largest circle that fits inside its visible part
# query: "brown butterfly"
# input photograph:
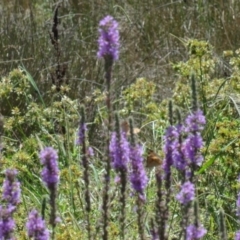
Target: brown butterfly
(125, 127)
(153, 159)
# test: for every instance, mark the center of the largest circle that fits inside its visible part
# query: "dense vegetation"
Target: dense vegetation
(56, 92)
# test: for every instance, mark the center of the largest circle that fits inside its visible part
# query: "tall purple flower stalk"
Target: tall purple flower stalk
(50, 176)
(163, 197)
(170, 139)
(194, 124)
(50, 172)
(108, 41)
(187, 157)
(138, 177)
(119, 151)
(36, 228)
(108, 48)
(139, 180)
(119, 154)
(179, 161)
(11, 196)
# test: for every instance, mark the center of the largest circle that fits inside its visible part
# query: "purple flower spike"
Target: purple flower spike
(179, 161)
(193, 143)
(7, 223)
(170, 138)
(11, 195)
(108, 42)
(11, 188)
(138, 175)
(186, 194)
(191, 147)
(119, 151)
(36, 227)
(50, 172)
(194, 232)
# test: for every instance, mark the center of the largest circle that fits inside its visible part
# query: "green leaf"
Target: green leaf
(31, 80)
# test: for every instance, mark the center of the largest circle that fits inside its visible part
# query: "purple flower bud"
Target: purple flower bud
(50, 172)
(194, 232)
(119, 151)
(108, 42)
(138, 175)
(36, 228)
(186, 194)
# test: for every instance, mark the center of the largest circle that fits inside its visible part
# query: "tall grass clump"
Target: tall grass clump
(76, 151)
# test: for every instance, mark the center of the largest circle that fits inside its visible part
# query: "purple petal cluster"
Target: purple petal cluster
(170, 147)
(237, 236)
(194, 232)
(138, 177)
(186, 194)
(36, 228)
(191, 147)
(81, 133)
(183, 143)
(11, 188)
(108, 42)
(194, 124)
(11, 195)
(179, 161)
(119, 151)
(7, 224)
(50, 172)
